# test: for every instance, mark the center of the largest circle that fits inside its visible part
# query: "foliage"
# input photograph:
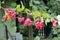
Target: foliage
(36, 14)
(52, 6)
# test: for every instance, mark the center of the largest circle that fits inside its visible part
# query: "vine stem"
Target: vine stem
(30, 33)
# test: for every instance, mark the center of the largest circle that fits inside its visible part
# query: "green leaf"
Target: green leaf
(36, 14)
(18, 8)
(13, 5)
(3, 2)
(45, 15)
(23, 7)
(27, 10)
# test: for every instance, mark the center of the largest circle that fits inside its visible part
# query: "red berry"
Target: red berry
(25, 24)
(28, 22)
(20, 19)
(39, 25)
(6, 10)
(5, 17)
(10, 13)
(13, 15)
(54, 22)
(54, 25)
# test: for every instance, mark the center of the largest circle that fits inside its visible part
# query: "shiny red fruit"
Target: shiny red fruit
(5, 17)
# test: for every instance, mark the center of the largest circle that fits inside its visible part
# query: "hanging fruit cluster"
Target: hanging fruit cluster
(28, 22)
(9, 14)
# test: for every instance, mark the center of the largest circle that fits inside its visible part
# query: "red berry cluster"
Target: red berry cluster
(54, 22)
(39, 25)
(28, 22)
(11, 14)
(21, 19)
